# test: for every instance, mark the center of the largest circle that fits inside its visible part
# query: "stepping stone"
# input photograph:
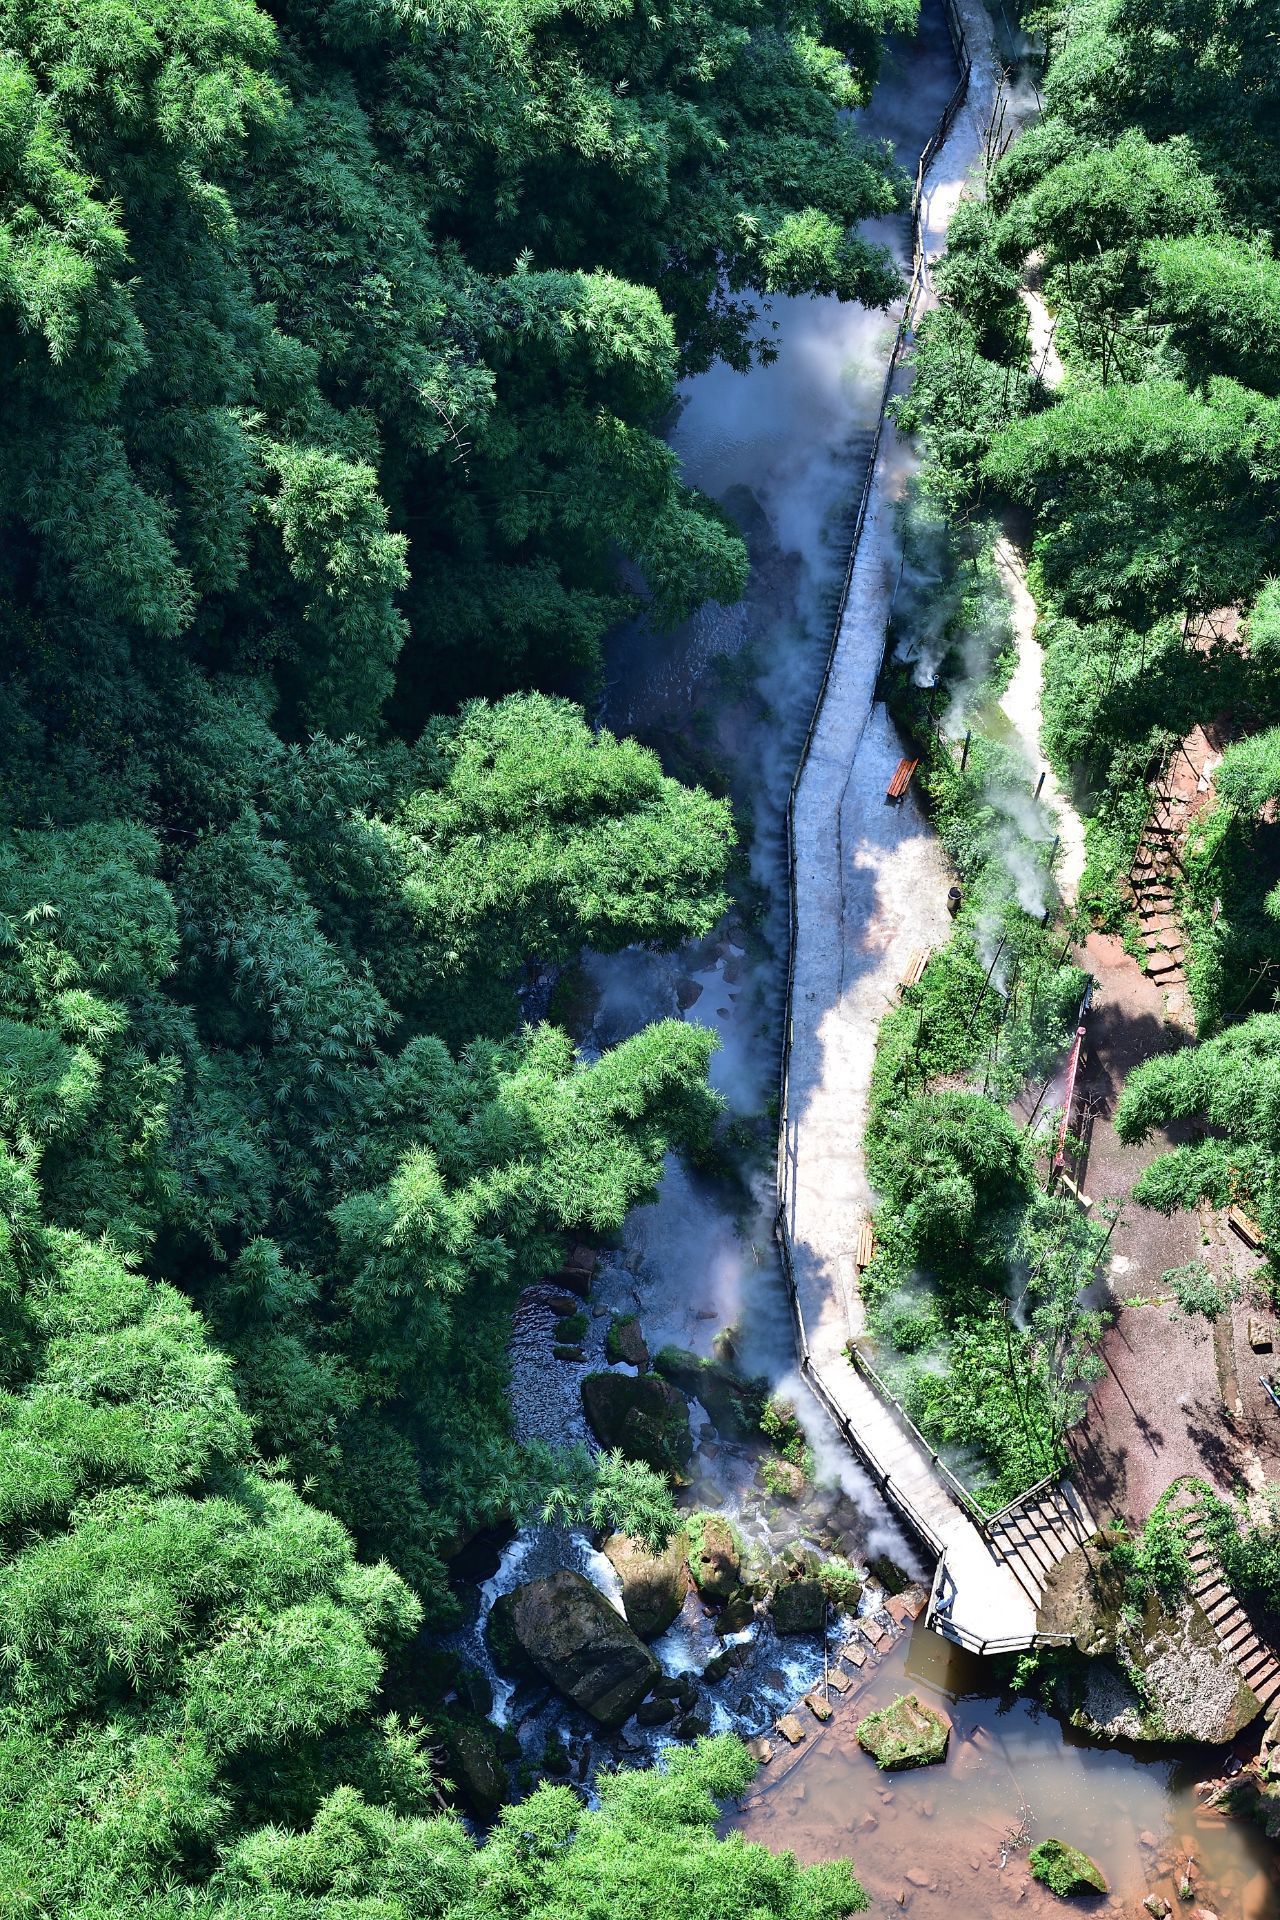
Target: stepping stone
(839, 1682)
(790, 1729)
(760, 1749)
(879, 1636)
(818, 1707)
(854, 1654)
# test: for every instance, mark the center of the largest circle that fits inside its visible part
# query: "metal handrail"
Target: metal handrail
(1032, 1493)
(890, 1489)
(955, 1487)
(893, 1493)
(918, 272)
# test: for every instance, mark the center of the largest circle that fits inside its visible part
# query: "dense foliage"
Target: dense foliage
(974, 1294)
(1230, 1086)
(337, 337)
(648, 1852)
(1245, 1535)
(1145, 203)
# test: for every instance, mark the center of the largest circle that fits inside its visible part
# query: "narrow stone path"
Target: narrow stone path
(1020, 704)
(871, 883)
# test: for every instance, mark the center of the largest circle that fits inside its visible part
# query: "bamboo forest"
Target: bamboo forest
(639, 959)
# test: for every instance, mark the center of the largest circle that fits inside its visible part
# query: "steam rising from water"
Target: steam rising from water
(835, 1466)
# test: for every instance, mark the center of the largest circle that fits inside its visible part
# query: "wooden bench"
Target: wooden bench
(1248, 1229)
(914, 973)
(901, 780)
(866, 1247)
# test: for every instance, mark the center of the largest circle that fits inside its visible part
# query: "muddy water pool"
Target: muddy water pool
(953, 1839)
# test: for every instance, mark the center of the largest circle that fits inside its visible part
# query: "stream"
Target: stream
(726, 698)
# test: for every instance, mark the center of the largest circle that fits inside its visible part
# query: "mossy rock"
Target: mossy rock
(647, 1417)
(907, 1734)
(798, 1605)
(474, 1762)
(625, 1342)
(727, 1661)
(474, 1691)
(715, 1556)
(655, 1713)
(1065, 1870)
(580, 1643)
(505, 1650)
(733, 1403)
(738, 1611)
(797, 1599)
(653, 1584)
(893, 1578)
(571, 1331)
(782, 1478)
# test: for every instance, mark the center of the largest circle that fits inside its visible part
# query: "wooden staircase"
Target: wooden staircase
(1037, 1532)
(1254, 1660)
(1156, 867)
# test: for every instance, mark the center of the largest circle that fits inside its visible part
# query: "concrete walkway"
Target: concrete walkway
(871, 884)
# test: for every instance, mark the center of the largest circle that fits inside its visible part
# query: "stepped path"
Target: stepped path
(1181, 791)
(870, 891)
(1255, 1660)
(1034, 1534)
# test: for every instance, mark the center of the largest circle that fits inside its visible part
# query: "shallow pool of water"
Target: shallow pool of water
(953, 1839)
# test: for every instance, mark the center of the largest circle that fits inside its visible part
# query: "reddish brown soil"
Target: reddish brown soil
(1177, 1396)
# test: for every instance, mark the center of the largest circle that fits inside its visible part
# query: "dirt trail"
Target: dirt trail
(1179, 1396)
(1020, 704)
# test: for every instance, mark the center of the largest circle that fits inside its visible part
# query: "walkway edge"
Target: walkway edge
(956, 1534)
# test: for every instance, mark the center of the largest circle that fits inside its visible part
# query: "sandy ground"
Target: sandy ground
(1177, 1396)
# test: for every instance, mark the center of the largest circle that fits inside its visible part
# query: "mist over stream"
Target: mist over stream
(727, 696)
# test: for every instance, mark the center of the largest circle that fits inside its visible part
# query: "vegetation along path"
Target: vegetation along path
(871, 892)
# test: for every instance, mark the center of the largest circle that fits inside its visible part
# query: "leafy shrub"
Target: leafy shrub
(1197, 1291)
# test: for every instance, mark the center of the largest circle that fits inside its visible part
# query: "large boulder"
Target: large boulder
(625, 1341)
(907, 1734)
(734, 1404)
(471, 1749)
(1065, 1870)
(798, 1605)
(1188, 1687)
(715, 1557)
(653, 1584)
(647, 1417)
(566, 1629)
(797, 1597)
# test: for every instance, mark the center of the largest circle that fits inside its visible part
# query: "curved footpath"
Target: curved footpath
(871, 883)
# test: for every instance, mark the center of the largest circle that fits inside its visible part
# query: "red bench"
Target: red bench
(901, 779)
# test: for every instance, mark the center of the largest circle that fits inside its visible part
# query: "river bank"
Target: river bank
(728, 698)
